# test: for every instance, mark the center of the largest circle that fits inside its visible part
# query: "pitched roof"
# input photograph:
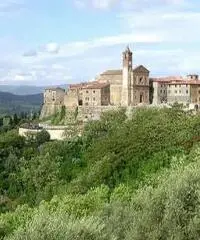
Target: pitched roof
(96, 85)
(167, 79)
(78, 85)
(175, 80)
(112, 72)
(140, 67)
(188, 82)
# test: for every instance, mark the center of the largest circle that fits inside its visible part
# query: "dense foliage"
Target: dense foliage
(124, 178)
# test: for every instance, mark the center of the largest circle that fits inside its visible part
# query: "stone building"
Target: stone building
(185, 90)
(128, 86)
(96, 94)
(54, 96)
(178, 91)
(123, 87)
(53, 101)
(159, 94)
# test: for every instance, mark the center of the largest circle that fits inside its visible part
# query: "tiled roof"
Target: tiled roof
(175, 80)
(78, 85)
(96, 85)
(188, 82)
(167, 79)
(140, 67)
(112, 72)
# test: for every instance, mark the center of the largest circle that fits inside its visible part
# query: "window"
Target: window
(87, 98)
(141, 98)
(179, 91)
(160, 91)
(187, 91)
(186, 85)
(163, 91)
(175, 91)
(169, 91)
(175, 85)
(199, 91)
(94, 91)
(94, 99)
(141, 80)
(87, 91)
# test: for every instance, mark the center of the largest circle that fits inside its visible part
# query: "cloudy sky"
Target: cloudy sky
(65, 41)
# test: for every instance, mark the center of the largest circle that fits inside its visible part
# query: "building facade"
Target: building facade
(54, 96)
(183, 90)
(128, 86)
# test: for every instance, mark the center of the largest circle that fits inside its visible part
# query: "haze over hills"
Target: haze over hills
(11, 103)
(26, 89)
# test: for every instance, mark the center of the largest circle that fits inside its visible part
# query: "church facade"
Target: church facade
(128, 86)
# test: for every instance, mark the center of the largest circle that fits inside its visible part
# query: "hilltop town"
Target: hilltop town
(130, 86)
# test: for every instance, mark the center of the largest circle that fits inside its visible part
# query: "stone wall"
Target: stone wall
(54, 96)
(195, 93)
(71, 99)
(159, 93)
(91, 97)
(178, 93)
(115, 87)
(93, 113)
(55, 133)
(49, 110)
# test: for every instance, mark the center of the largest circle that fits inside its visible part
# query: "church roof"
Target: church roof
(140, 67)
(112, 72)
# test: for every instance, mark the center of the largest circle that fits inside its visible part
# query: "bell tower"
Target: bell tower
(126, 77)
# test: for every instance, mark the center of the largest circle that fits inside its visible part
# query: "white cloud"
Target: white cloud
(177, 26)
(10, 7)
(97, 4)
(127, 4)
(151, 28)
(52, 48)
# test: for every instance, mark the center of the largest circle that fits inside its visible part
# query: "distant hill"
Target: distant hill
(26, 89)
(11, 103)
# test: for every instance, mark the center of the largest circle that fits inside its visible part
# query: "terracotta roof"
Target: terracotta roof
(112, 72)
(96, 85)
(188, 82)
(169, 78)
(77, 85)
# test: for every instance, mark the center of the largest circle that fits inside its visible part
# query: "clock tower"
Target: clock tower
(126, 77)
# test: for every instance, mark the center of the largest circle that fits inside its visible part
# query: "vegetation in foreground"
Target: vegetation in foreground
(123, 179)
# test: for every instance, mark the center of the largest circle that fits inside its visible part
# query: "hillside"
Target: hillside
(123, 179)
(25, 89)
(11, 103)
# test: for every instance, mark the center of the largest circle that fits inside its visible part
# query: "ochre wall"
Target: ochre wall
(71, 99)
(115, 87)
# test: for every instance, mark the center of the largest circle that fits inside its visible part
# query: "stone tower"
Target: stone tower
(126, 77)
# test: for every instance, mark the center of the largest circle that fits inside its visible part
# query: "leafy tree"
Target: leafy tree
(42, 137)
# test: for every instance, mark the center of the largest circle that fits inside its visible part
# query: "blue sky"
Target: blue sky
(65, 41)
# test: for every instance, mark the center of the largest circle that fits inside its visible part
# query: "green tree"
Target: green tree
(42, 137)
